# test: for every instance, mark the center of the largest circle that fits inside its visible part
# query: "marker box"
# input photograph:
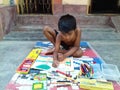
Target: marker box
(34, 53)
(25, 66)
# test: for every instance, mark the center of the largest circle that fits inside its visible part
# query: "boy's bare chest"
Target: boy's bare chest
(69, 41)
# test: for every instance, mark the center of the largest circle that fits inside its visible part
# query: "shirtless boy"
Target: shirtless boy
(68, 36)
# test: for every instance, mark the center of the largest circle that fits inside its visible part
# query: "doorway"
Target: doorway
(104, 7)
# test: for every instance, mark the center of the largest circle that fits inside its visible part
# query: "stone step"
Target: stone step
(27, 28)
(29, 33)
(25, 35)
(105, 35)
(116, 22)
(52, 20)
(83, 27)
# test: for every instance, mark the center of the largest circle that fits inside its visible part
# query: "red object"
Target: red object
(63, 73)
(90, 53)
(25, 66)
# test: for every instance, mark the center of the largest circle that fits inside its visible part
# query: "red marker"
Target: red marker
(63, 73)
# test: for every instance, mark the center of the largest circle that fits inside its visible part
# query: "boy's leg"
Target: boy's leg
(78, 53)
(50, 34)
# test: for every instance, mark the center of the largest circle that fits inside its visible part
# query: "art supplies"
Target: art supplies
(110, 72)
(25, 66)
(92, 84)
(86, 70)
(28, 61)
(45, 63)
(38, 86)
(61, 72)
(42, 84)
(64, 87)
(44, 77)
(40, 77)
(97, 71)
(34, 53)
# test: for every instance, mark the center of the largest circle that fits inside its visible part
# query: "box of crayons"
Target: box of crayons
(25, 66)
(28, 61)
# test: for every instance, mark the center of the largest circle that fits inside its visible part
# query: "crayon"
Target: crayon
(87, 66)
(84, 68)
(71, 79)
(65, 85)
(63, 81)
(81, 68)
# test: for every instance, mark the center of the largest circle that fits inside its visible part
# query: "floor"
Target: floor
(12, 51)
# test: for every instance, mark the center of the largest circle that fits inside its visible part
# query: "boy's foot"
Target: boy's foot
(50, 51)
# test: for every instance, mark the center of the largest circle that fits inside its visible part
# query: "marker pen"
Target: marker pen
(66, 85)
(63, 73)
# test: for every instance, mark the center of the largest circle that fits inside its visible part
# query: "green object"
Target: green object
(37, 86)
(43, 67)
(68, 63)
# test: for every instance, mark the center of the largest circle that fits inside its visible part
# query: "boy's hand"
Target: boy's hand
(55, 63)
(61, 57)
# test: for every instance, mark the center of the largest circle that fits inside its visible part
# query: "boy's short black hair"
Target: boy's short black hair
(67, 23)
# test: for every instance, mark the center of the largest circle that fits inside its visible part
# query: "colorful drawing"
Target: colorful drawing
(40, 77)
(45, 63)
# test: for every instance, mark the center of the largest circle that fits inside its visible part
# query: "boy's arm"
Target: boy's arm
(76, 44)
(57, 47)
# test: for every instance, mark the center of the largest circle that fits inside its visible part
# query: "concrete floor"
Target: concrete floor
(12, 53)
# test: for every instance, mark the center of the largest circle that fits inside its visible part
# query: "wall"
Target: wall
(7, 18)
(1, 1)
(1, 29)
(75, 2)
(6, 2)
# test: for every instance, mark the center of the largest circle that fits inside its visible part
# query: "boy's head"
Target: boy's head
(67, 23)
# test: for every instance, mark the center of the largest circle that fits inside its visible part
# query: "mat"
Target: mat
(21, 81)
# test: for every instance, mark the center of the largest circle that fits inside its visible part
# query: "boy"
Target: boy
(68, 36)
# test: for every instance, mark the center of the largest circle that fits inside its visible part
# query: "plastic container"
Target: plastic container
(110, 72)
(97, 71)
